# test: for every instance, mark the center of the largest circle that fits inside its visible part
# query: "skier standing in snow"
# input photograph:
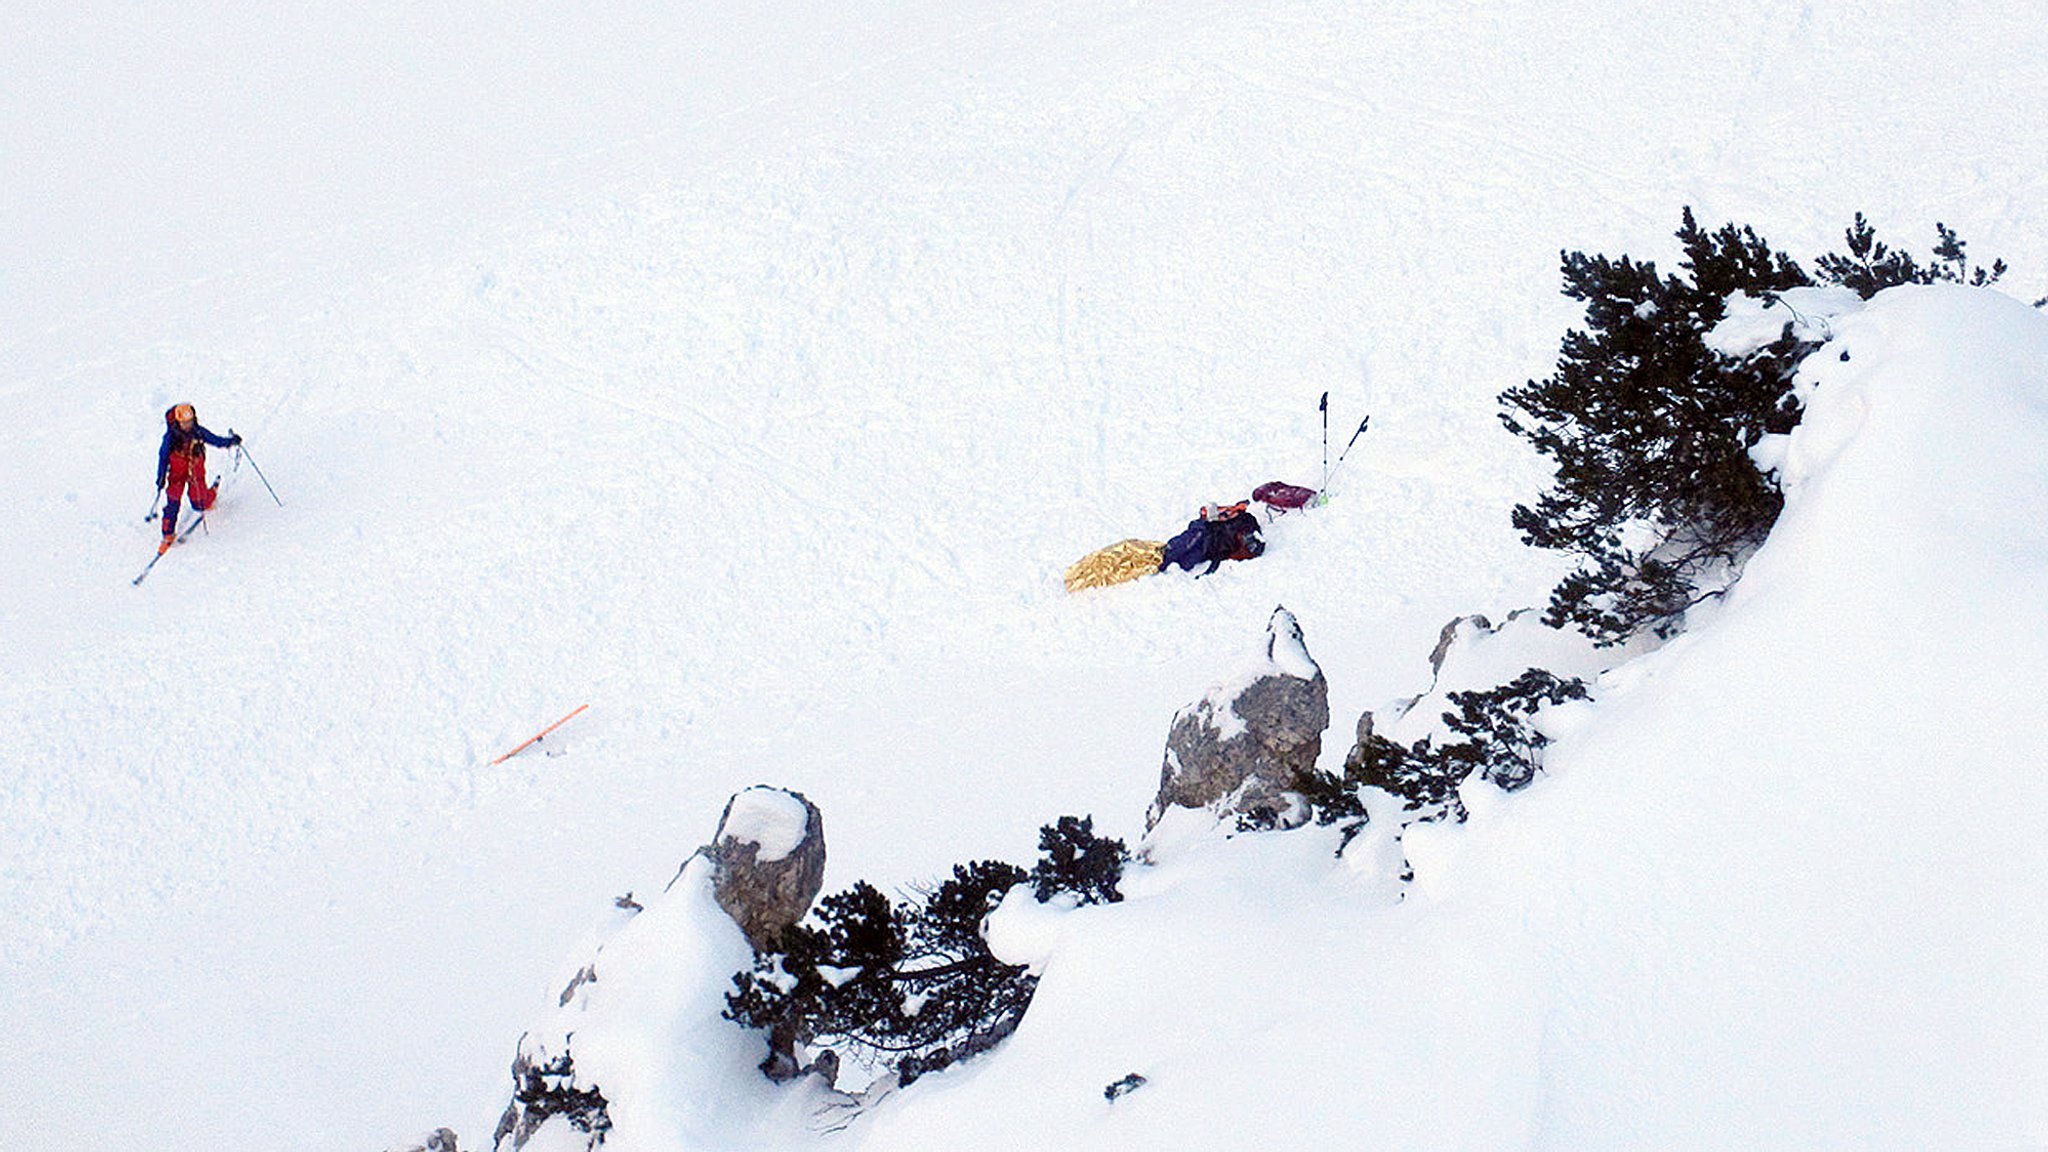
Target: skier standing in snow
(181, 465)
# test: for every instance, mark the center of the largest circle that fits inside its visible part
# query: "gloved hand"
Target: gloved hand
(234, 438)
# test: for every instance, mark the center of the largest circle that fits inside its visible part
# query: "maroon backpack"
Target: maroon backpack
(1274, 494)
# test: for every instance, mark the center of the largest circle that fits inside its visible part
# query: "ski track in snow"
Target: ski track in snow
(767, 432)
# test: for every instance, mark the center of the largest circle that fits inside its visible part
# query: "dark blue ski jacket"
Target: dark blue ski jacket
(180, 442)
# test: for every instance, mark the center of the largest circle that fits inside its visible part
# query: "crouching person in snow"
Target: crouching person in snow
(181, 465)
(1221, 532)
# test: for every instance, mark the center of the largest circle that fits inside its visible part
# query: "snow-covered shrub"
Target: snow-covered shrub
(1655, 492)
(439, 1140)
(832, 983)
(1331, 800)
(544, 1089)
(1870, 266)
(1076, 860)
(1500, 744)
(911, 989)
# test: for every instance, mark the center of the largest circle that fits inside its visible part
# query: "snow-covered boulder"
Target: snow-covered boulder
(1243, 746)
(769, 854)
(637, 1052)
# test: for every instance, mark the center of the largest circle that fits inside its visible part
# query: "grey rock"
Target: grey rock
(826, 1067)
(1449, 637)
(585, 975)
(1275, 726)
(1355, 758)
(439, 1140)
(1124, 1087)
(765, 896)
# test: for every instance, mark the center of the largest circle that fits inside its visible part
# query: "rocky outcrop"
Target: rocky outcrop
(545, 1088)
(769, 854)
(1240, 750)
(1459, 626)
(663, 964)
(439, 1140)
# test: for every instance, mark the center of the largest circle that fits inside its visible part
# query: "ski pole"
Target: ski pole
(243, 451)
(1325, 406)
(151, 518)
(1347, 450)
(1354, 439)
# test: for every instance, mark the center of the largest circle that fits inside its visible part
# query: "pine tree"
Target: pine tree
(1954, 267)
(1654, 492)
(1076, 860)
(1870, 266)
(1499, 743)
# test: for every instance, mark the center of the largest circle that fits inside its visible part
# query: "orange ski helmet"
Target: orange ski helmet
(181, 414)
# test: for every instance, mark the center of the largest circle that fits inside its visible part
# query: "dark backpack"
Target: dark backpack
(1236, 537)
(1220, 533)
(1190, 549)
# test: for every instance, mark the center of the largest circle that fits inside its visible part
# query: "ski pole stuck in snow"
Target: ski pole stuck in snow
(1325, 406)
(535, 738)
(1354, 440)
(1323, 497)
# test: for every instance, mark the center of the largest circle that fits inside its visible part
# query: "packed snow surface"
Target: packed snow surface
(1731, 913)
(751, 373)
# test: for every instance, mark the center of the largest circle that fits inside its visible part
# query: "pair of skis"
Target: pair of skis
(162, 552)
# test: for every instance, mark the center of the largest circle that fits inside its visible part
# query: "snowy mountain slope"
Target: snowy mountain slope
(1780, 887)
(1834, 911)
(753, 384)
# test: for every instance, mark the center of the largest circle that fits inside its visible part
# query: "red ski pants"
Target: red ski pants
(186, 476)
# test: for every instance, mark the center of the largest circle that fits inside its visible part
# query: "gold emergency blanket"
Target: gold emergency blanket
(1121, 561)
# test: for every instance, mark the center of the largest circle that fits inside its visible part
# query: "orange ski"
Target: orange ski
(535, 738)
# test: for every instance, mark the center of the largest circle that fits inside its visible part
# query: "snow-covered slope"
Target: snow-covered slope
(750, 372)
(1781, 886)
